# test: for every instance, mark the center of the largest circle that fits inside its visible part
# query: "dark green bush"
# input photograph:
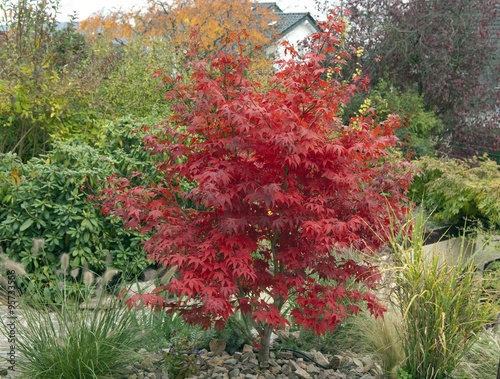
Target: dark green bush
(419, 125)
(45, 209)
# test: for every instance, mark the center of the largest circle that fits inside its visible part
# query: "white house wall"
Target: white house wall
(295, 36)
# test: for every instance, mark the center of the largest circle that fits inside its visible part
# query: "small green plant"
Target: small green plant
(166, 328)
(91, 335)
(402, 374)
(181, 359)
(443, 303)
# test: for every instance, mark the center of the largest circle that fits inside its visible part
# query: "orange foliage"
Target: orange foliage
(213, 18)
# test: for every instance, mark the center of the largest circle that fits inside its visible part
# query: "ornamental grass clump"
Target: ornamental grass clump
(442, 301)
(87, 335)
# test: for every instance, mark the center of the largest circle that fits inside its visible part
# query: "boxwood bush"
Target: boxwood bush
(45, 209)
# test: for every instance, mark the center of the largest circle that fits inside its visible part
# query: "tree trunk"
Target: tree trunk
(265, 344)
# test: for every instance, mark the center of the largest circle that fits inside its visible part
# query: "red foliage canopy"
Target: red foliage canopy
(280, 188)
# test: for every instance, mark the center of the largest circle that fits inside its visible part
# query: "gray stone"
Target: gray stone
(313, 369)
(230, 362)
(217, 346)
(357, 362)
(283, 334)
(286, 369)
(335, 362)
(247, 348)
(302, 374)
(149, 274)
(319, 357)
(293, 365)
(140, 287)
(234, 373)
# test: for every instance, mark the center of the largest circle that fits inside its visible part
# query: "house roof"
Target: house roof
(269, 6)
(289, 21)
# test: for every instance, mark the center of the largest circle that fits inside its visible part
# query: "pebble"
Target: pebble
(284, 366)
(244, 365)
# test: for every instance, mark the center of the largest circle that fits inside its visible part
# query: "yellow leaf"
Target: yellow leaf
(48, 160)
(15, 176)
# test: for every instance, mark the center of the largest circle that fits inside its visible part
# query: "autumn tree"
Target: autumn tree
(173, 22)
(280, 189)
(445, 50)
(170, 24)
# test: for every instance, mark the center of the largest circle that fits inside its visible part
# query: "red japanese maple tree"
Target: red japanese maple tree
(280, 188)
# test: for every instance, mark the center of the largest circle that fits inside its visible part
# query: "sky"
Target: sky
(85, 8)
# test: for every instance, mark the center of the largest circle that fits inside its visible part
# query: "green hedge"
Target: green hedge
(47, 199)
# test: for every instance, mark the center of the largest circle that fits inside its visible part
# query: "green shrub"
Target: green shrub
(419, 125)
(458, 190)
(45, 209)
(129, 87)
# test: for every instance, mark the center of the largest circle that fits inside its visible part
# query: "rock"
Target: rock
(217, 346)
(302, 374)
(295, 335)
(286, 369)
(284, 335)
(313, 369)
(247, 348)
(335, 362)
(293, 365)
(319, 358)
(234, 373)
(104, 302)
(357, 362)
(246, 357)
(286, 354)
(275, 370)
(237, 355)
(230, 362)
(149, 274)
